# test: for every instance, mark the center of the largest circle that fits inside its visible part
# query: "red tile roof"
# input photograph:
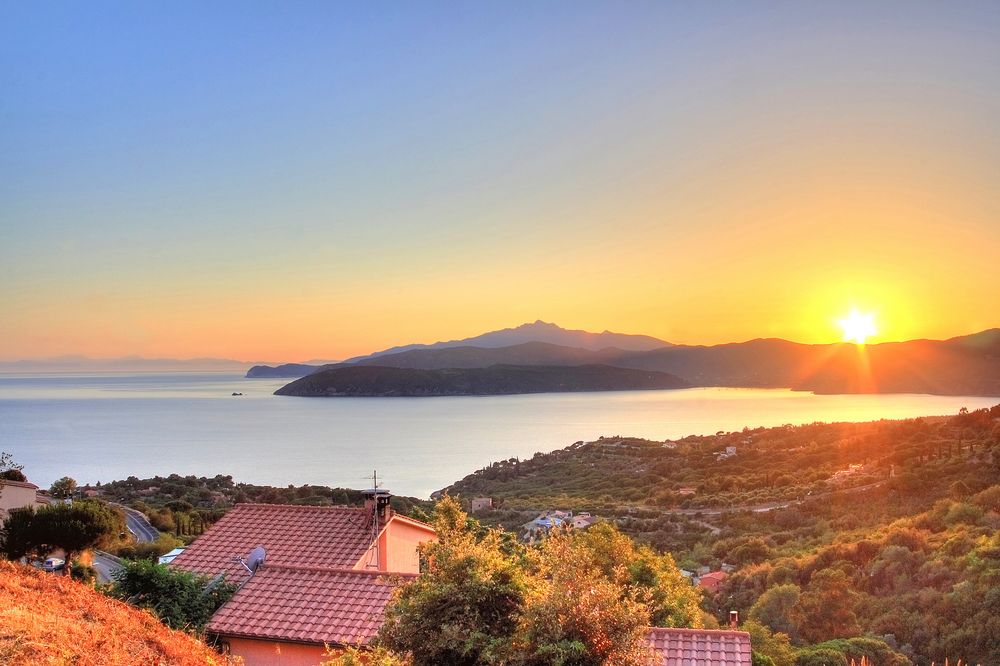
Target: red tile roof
(303, 536)
(699, 647)
(715, 575)
(19, 484)
(308, 604)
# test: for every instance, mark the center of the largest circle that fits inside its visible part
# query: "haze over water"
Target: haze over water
(100, 428)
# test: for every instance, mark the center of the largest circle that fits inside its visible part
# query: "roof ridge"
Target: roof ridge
(19, 484)
(313, 507)
(343, 570)
(412, 520)
(713, 632)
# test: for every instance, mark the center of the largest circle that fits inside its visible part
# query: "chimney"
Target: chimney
(734, 619)
(377, 504)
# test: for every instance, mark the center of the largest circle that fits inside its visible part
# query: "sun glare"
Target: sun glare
(858, 327)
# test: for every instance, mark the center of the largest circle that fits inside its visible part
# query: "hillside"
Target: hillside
(377, 381)
(46, 619)
(900, 516)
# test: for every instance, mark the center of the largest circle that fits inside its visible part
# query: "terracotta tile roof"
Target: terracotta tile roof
(715, 575)
(304, 536)
(18, 484)
(699, 647)
(311, 605)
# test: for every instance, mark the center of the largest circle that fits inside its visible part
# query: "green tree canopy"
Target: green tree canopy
(179, 598)
(576, 615)
(9, 470)
(575, 600)
(774, 608)
(465, 607)
(16, 537)
(73, 528)
(63, 488)
(826, 609)
(672, 600)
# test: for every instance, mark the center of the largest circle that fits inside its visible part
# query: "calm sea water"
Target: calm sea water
(99, 428)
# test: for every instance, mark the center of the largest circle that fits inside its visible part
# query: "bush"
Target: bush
(180, 599)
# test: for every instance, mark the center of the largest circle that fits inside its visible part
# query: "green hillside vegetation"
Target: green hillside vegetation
(902, 548)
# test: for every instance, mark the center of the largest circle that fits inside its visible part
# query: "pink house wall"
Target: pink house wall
(274, 653)
(397, 547)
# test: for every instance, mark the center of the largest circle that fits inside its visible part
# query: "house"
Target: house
(308, 576)
(17, 495)
(477, 504)
(710, 582)
(583, 520)
(699, 647)
(687, 490)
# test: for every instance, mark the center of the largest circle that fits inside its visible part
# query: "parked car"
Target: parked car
(54, 564)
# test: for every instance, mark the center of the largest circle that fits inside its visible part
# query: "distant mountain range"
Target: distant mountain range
(380, 381)
(538, 332)
(966, 365)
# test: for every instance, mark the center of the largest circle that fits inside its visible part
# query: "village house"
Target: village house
(477, 504)
(711, 581)
(17, 495)
(725, 455)
(583, 520)
(555, 518)
(308, 576)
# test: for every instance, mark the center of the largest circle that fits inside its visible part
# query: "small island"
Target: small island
(379, 381)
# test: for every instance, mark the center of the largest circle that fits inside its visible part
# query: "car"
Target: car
(54, 564)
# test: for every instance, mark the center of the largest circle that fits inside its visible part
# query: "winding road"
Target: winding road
(138, 525)
(104, 563)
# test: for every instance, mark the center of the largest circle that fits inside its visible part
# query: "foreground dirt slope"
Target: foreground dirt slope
(46, 619)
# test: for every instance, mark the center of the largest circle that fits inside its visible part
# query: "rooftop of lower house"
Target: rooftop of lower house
(303, 536)
(698, 647)
(308, 605)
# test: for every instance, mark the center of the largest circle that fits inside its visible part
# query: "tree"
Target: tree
(774, 608)
(16, 537)
(73, 528)
(465, 607)
(672, 601)
(180, 599)
(775, 646)
(9, 470)
(485, 599)
(826, 609)
(578, 616)
(63, 488)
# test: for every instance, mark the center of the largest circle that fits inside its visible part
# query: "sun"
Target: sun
(858, 327)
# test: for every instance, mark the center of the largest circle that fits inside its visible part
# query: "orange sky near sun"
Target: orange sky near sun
(702, 176)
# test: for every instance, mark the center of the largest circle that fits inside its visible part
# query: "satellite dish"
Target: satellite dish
(256, 558)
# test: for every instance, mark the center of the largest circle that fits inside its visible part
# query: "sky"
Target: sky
(290, 181)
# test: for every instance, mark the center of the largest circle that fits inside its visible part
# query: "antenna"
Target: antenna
(377, 500)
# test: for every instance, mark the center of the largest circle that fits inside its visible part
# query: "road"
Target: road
(104, 565)
(138, 525)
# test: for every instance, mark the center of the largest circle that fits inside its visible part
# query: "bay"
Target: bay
(111, 426)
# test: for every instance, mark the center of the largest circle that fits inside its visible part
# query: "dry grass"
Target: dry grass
(50, 620)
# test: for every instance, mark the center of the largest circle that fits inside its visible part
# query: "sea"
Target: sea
(111, 426)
